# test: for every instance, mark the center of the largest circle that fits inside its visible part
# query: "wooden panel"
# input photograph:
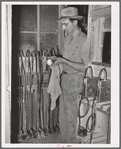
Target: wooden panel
(28, 17)
(28, 42)
(48, 17)
(104, 6)
(95, 7)
(103, 12)
(107, 23)
(101, 39)
(94, 41)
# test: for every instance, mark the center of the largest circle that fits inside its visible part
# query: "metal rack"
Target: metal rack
(34, 109)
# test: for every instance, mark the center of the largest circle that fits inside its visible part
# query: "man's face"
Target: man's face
(68, 26)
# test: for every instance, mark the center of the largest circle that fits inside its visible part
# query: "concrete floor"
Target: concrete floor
(98, 138)
(53, 138)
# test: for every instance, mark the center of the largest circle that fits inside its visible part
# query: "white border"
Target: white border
(114, 75)
(61, 3)
(3, 73)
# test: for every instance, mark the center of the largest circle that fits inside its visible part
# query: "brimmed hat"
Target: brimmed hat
(69, 12)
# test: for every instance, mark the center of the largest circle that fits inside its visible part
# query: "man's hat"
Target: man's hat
(69, 12)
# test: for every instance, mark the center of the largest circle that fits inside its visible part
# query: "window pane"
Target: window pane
(48, 41)
(28, 42)
(48, 17)
(28, 17)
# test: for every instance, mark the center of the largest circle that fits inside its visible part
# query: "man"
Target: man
(74, 59)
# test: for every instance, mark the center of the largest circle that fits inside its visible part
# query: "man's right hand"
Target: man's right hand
(53, 58)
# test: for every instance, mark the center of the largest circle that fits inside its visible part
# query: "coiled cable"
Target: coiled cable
(81, 130)
(91, 117)
(80, 103)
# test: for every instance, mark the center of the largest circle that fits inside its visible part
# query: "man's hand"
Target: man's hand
(53, 57)
(79, 66)
(59, 60)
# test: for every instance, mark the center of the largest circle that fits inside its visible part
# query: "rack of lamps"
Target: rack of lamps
(31, 112)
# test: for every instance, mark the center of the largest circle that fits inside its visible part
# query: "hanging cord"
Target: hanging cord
(30, 71)
(34, 81)
(85, 75)
(93, 122)
(29, 83)
(20, 136)
(93, 117)
(39, 131)
(38, 88)
(103, 70)
(22, 62)
(30, 68)
(40, 75)
(38, 92)
(80, 103)
(32, 56)
(20, 100)
(23, 72)
(25, 135)
(44, 58)
(81, 130)
(28, 54)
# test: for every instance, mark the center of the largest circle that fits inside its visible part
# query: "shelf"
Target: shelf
(28, 73)
(28, 87)
(49, 32)
(35, 32)
(107, 30)
(102, 64)
(99, 105)
(26, 32)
